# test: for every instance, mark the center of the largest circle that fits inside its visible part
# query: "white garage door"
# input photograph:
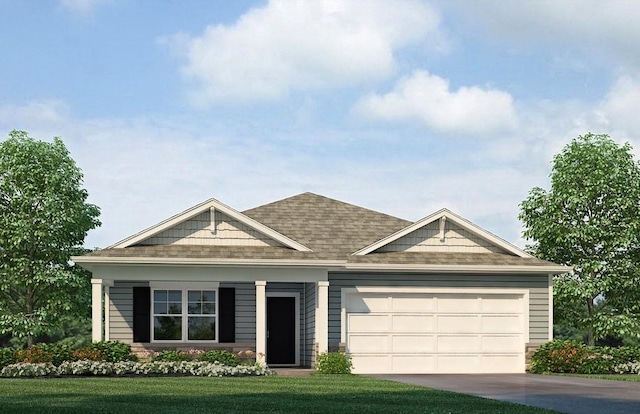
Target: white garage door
(436, 332)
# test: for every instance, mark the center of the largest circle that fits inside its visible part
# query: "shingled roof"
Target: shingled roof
(326, 225)
(332, 229)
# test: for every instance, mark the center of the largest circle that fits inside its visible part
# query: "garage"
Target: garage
(423, 330)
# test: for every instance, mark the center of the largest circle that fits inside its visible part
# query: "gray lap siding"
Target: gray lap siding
(536, 284)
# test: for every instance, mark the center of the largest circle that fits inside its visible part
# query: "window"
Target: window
(184, 314)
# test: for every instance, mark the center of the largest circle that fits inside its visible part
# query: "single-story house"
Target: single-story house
(309, 274)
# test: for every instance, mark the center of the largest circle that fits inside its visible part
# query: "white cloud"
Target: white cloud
(595, 26)
(82, 7)
(619, 110)
(429, 99)
(46, 111)
(290, 46)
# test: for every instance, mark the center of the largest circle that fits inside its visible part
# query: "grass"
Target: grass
(315, 394)
(613, 377)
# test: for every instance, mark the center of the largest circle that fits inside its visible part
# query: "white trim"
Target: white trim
(107, 313)
(201, 208)
(160, 284)
(459, 220)
(382, 267)
(550, 307)
(261, 322)
(82, 260)
(184, 288)
(89, 262)
(296, 296)
(96, 310)
(322, 316)
(435, 290)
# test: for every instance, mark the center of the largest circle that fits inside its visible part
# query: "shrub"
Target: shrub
(100, 368)
(558, 356)
(169, 355)
(7, 357)
(42, 353)
(114, 351)
(566, 356)
(220, 356)
(334, 363)
(87, 353)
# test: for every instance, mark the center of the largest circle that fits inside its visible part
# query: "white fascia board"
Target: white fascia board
(201, 208)
(88, 261)
(551, 269)
(459, 220)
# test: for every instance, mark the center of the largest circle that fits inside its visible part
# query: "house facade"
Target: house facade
(309, 274)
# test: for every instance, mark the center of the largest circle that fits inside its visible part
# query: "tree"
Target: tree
(590, 219)
(44, 219)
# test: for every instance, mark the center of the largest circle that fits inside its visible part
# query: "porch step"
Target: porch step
(293, 372)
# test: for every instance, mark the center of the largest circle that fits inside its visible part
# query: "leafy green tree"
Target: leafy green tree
(590, 219)
(44, 218)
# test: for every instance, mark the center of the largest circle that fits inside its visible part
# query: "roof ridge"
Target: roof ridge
(334, 200)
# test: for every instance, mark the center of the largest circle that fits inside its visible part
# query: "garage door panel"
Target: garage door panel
(372, 364)
(368, 323)
(454, 364)
(413, 343)
(502, 343)
(413, 303)
(458, 304)
(502, 324)
(364, 304)
(459, 324)
(500, 364)
(413, 364)
(413, 323)
(502, 304)
(369, 343)
(459, 343)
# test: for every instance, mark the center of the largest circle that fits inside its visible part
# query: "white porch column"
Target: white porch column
(261, 321)
(106, 284)
(96, 310)
(322, 317)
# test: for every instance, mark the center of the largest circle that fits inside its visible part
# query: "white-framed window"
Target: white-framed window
(184, 313)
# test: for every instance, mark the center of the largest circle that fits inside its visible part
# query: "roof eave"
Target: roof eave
(475, 269)
(91, 261)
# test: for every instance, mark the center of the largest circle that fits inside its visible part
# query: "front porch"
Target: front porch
(284, 323)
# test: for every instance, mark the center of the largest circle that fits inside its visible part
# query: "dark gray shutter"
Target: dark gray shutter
(227, 314)
(141, 314)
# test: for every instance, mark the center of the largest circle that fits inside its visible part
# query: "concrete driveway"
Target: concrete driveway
(564, 394)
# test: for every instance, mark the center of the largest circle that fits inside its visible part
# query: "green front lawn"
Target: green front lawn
(183, 395)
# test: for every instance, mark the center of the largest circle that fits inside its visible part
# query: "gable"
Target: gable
(443, 232)
(223, 230)
(210, 223)
(428, 239)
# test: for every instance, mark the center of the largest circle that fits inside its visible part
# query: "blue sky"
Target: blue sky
(403, 107)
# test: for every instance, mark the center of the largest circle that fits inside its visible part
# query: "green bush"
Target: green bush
(113, 351)
(221, 356)
(558, 356)
(41, 353)
(334, 363)
(6, 356)
(568, 356)
(170, 355)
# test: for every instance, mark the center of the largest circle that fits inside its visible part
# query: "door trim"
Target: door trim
(296, 296)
